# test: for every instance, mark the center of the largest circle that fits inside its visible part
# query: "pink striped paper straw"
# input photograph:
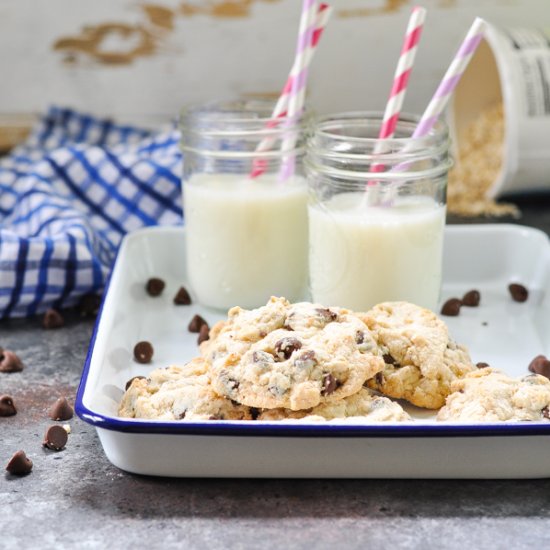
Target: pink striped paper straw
(450, 80)
(296, 93)
(403, 72)
(324, 12)
(400, 81)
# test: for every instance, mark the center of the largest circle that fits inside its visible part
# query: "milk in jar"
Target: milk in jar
(376, 212)
(363, 255)
(246, 239)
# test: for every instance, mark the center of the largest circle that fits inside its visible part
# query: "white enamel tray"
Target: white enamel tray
(505, 334)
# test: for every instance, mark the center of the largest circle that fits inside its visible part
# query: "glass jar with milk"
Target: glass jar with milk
(245, 203)
(376, 212)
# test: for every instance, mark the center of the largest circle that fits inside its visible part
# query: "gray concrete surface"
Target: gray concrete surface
(77, 499)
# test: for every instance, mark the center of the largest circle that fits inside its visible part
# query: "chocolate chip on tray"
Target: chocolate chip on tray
(9, 362)
(546, 413)
(196, 323)
(55, 438)
(471, 298)
(540, 365)
(143, 352)
(204, 334)
(7, 406)
(182, 297)
(129, 383)
(61, 410)
(482, 365)
(518, 292)
(155, 286)
(451, 307)
(19, 464)
(52, 319)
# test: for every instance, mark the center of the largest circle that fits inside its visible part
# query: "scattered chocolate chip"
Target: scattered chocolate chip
(55, 438)
(155, 286)
(19, 464)
(329, 384)
(7, 406)
(327, 315)
(196, 323)
(181, 415)
(204, 335)
(451, 307)
(143, 352)
(88, 306)
(254, 413)
(359, 337)
(61, 410)
(182, 297)
(546, 413)
(285, 347)
(388, 359)
(540, 365)
(518, 292)
(471, 298)
(129, 383)
(9, 362)
(379, 378)
(482, 365)
(52, 319)
(306, 360)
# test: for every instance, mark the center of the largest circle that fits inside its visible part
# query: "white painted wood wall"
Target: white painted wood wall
(206, 57)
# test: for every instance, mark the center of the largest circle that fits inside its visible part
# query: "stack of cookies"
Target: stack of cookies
(306, 362)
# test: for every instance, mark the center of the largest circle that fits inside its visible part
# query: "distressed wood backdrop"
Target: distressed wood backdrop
(141, 61)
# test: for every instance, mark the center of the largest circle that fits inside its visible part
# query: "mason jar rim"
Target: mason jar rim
(324, 122)
(400, 151)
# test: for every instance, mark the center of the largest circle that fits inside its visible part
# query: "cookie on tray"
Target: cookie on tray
(487, 395)
(179, 393)
(364, 406)
(293, 356)
(422, 361)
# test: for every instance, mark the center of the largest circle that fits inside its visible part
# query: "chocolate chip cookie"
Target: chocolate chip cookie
(421, 360)
(364, 406)
(294, 356)
(179, 393)
(487, 395)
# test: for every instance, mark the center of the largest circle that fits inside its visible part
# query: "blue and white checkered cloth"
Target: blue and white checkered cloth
(67, 197)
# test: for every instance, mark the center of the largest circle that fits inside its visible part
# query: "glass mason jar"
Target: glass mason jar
(245, 203)
(376, 211)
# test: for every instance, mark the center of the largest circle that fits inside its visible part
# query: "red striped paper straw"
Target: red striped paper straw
(324, 12)
(403, 72)
(450, 80)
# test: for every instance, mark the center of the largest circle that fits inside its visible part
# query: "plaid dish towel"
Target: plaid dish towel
(67, 197)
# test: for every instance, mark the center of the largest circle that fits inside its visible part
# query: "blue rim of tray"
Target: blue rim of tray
(265, 429)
